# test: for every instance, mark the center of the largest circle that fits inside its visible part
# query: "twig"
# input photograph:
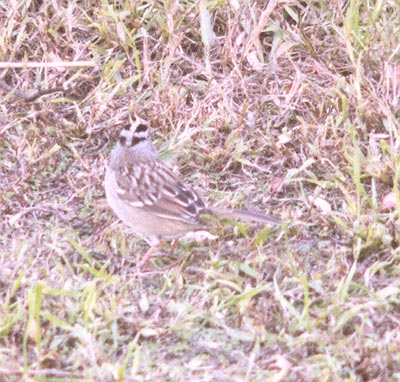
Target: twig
(47, 372)
(30, 97)
(23, 65)
(39, 93)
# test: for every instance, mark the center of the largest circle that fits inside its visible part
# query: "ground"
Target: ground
(290, 107)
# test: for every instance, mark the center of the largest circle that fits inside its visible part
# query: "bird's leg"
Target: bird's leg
(173, 246)
(147, 255)
(151, 250)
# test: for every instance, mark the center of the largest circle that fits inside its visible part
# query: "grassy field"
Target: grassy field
(291, 107)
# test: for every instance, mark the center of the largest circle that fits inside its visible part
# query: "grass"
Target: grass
(291, 107)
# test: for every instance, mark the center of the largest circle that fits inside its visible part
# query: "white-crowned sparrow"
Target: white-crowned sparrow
(151, 199)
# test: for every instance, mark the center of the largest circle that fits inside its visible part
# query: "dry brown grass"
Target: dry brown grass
(292, 107)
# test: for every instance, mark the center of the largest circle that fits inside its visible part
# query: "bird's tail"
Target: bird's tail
(247, 215)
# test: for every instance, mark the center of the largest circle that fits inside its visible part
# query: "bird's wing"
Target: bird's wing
(151, 185)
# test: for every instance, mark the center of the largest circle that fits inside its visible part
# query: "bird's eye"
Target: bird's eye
(136, 140)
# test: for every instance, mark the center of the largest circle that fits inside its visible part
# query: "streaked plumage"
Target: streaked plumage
(150, 198)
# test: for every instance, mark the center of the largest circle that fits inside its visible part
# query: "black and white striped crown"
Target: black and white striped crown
(138, 131)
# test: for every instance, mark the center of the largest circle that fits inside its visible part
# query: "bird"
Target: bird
(152, 199)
